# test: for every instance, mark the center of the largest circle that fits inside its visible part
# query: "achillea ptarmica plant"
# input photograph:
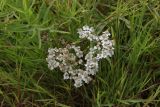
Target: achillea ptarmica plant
(77, 65)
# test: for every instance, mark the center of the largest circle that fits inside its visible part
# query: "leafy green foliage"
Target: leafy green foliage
(29, 27)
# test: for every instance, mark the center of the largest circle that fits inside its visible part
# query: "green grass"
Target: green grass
(131, 78)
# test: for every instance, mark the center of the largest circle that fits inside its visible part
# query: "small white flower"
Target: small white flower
(86, 32)
(106, 33)
(65, 76)
(80, 61)
(78, 82)
(88, 29)
(79, 53)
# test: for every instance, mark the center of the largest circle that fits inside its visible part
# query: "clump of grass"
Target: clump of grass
(29, 27)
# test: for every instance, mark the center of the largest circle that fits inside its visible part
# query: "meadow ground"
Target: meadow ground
(131, 78)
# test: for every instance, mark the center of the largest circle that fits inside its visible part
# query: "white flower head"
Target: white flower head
(78, 65)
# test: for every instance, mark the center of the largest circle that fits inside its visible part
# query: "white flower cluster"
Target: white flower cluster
(74, 63)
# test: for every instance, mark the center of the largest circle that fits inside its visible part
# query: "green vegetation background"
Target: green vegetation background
(29, 27)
